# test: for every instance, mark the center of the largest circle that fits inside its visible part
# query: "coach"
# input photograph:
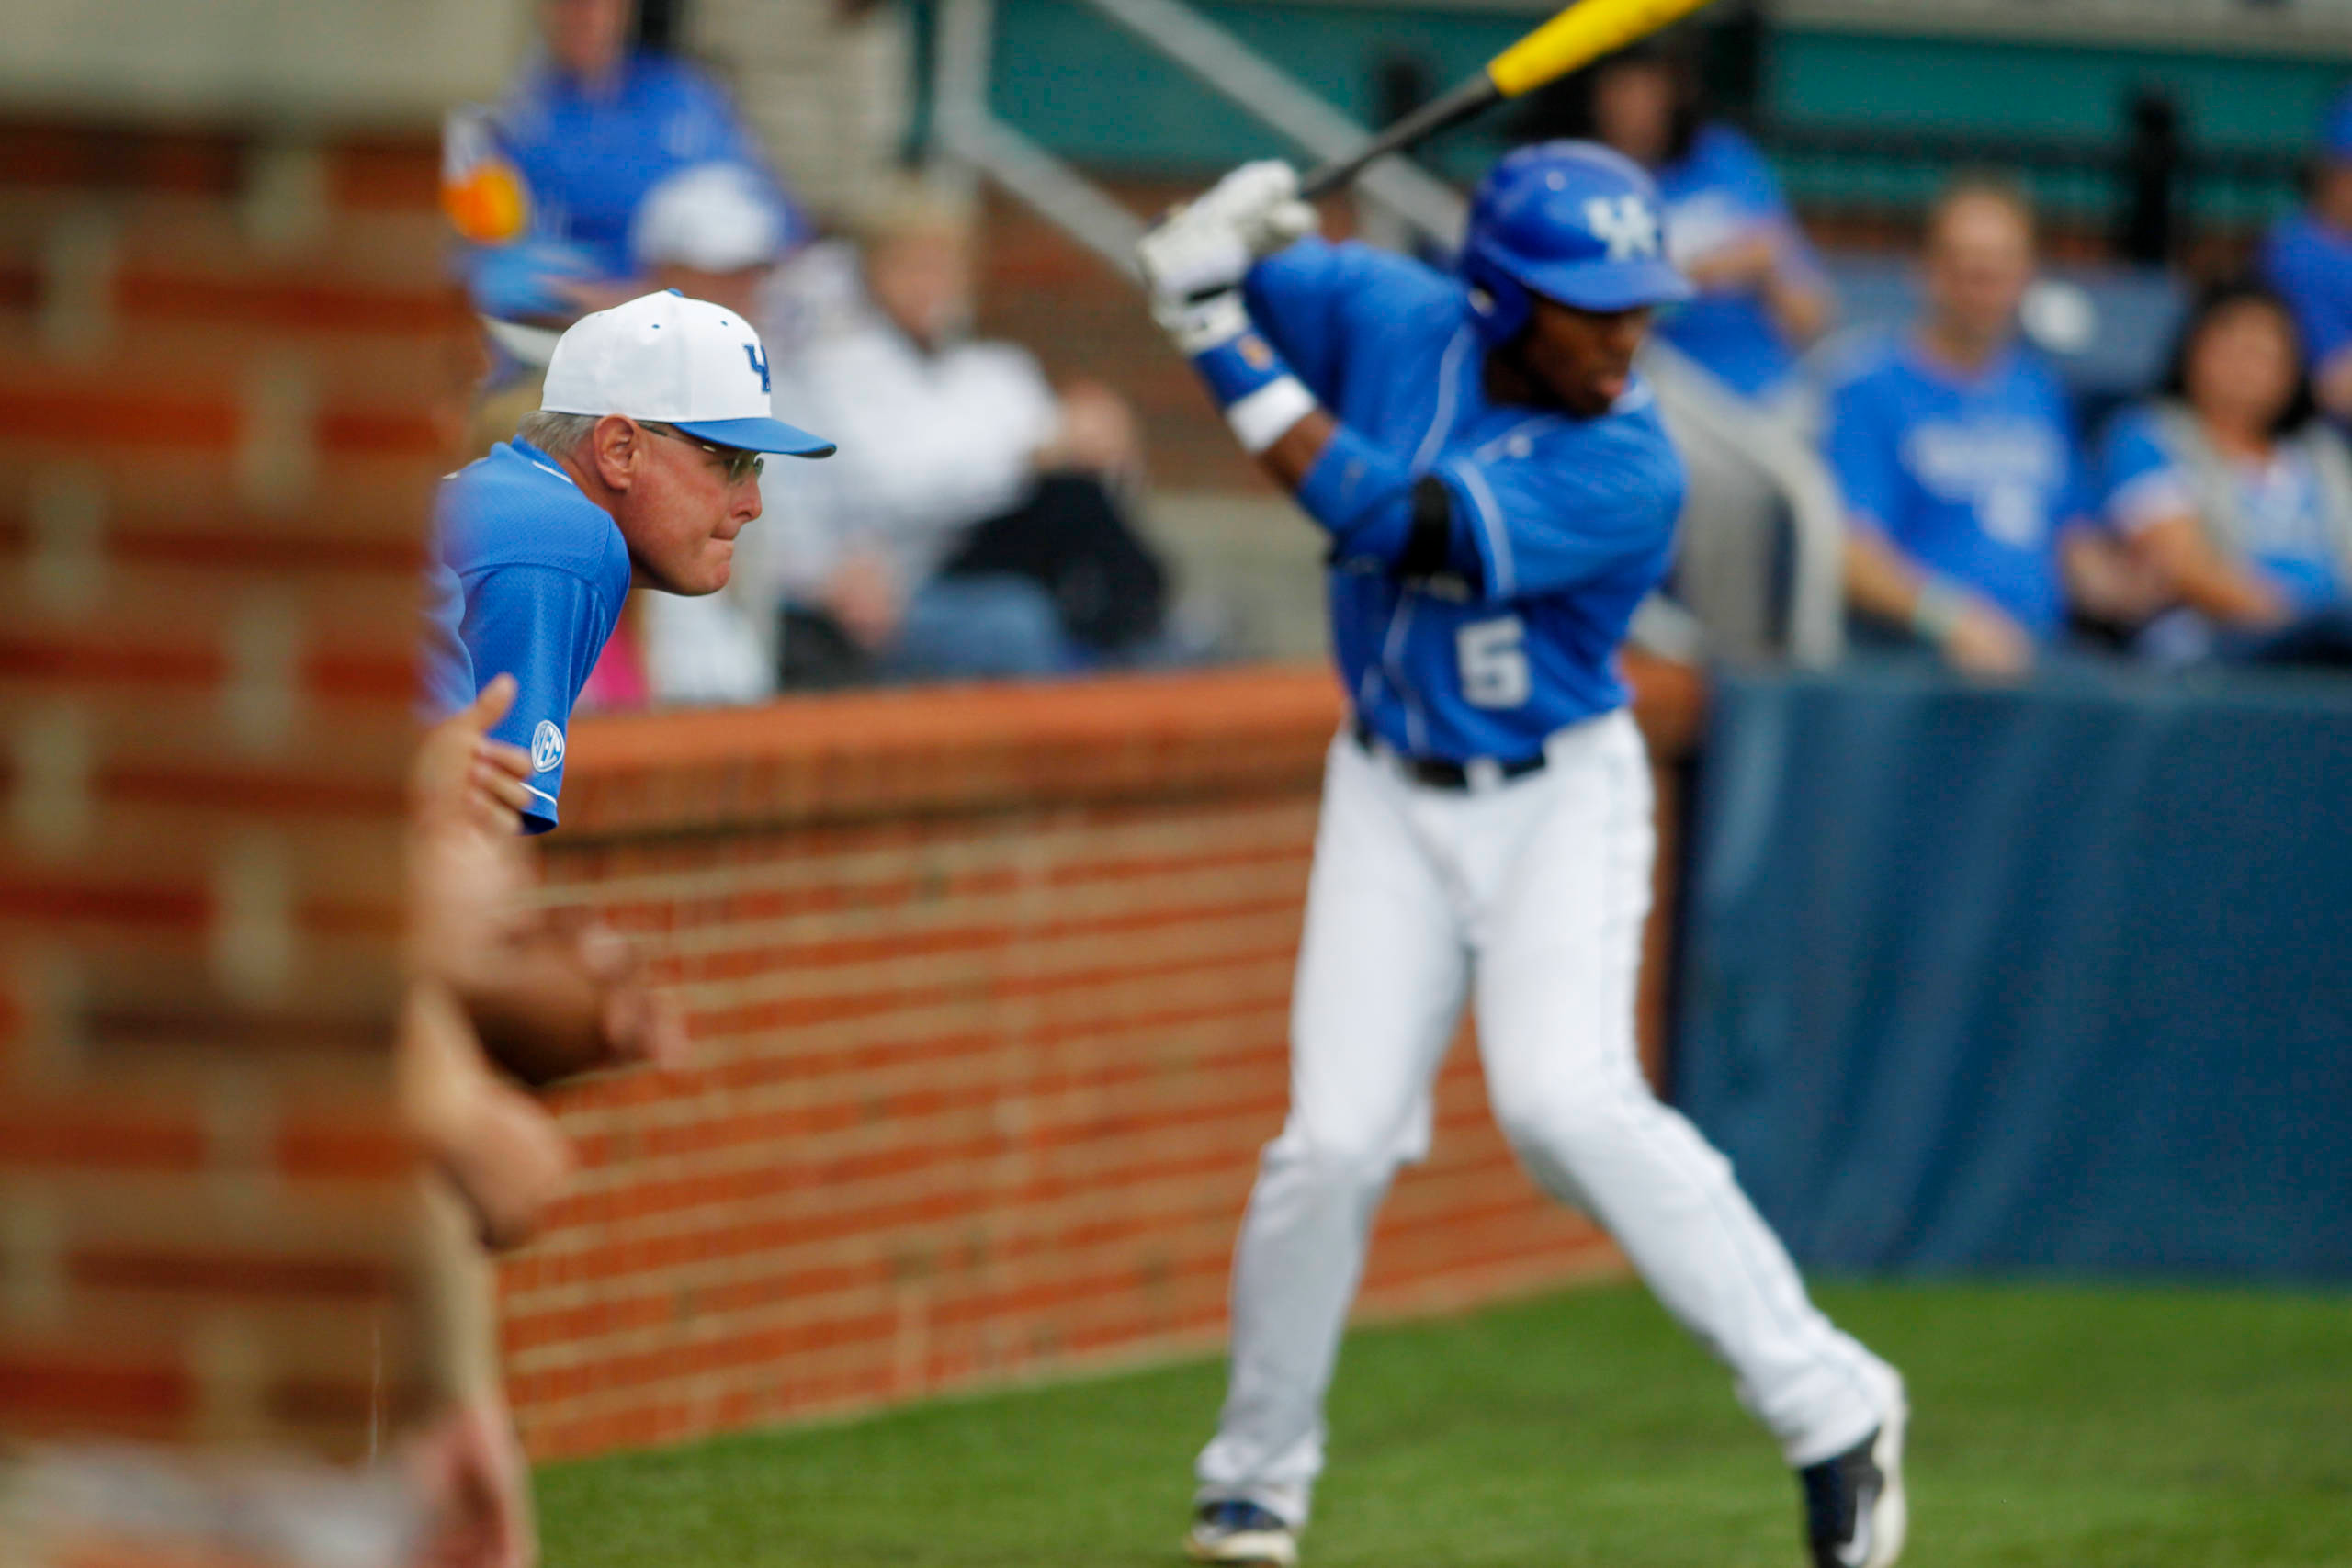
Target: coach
(641, 466)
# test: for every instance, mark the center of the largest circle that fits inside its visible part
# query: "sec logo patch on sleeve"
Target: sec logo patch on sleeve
(546, 747)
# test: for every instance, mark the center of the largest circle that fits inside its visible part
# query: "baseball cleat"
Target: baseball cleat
(1241, 1534)
(1855, 1512)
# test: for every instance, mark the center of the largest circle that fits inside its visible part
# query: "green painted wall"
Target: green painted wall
(1085, 87)
(1082, 85)
(2052, 90)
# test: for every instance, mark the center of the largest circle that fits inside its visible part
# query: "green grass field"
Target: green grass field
(2075, 1428)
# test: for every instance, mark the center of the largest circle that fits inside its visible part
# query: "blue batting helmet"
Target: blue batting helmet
(1572, 221)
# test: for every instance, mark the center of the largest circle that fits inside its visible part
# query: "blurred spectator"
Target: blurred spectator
(1954, 445)
(2236, 494)
(2308, 260)
(976, 525)
(710, 232)
(547, 188)
(1763, 297)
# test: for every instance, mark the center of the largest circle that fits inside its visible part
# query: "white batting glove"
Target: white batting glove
(1208, 246)
(1196, 326)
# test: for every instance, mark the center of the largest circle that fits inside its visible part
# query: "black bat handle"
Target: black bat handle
(1430, 118)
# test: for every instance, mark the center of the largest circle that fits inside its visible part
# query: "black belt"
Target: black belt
(1439, 773)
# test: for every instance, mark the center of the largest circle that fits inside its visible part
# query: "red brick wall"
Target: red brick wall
(217, 451)
(989, 987)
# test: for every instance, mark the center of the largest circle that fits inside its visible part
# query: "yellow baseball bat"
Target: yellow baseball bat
(1577, 37)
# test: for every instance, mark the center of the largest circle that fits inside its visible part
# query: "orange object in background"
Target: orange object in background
(487, 204)
(481, 190)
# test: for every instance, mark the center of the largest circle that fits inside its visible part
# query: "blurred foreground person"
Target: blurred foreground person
(641, 465)
(1499, 493)
(975, 525)
(500, 996)
(1954, 445)
(2308, 259)
(2237, 494)
(490, 1149)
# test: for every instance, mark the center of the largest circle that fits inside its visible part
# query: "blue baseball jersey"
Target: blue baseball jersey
(2281, 506)
(444, 669)
(545, 573)
(587, 159)
(1720, 193)
(1558, 526)
(2311, 265)
(1971, 477)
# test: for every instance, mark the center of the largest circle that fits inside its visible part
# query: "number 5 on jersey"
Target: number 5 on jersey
(1492, 662)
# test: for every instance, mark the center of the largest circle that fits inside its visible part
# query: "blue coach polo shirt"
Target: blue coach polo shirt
(544, 573)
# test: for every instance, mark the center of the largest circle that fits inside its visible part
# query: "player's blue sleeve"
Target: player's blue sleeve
(545, 628)
(1524, 515)
(2315, 288)
(1297, 300)
(1862, 448)
(1379, 514)
(1546, 513)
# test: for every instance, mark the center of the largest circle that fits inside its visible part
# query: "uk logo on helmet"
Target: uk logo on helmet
(1626, 224)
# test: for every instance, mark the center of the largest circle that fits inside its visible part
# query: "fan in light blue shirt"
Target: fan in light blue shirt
(2235, 495)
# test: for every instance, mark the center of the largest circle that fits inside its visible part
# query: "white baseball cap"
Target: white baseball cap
(681, 362)
(710, 216)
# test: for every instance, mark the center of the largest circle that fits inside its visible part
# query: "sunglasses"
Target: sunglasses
(740, 465)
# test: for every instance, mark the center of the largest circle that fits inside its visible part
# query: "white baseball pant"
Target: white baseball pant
(1527, 896)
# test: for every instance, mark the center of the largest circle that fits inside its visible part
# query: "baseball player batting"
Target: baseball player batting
(1499, 494)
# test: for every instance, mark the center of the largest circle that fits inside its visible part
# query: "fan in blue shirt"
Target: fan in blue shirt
(1762, 295)
(2308, 259)
(641, 464)
(1955, 448)
(547, 187)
